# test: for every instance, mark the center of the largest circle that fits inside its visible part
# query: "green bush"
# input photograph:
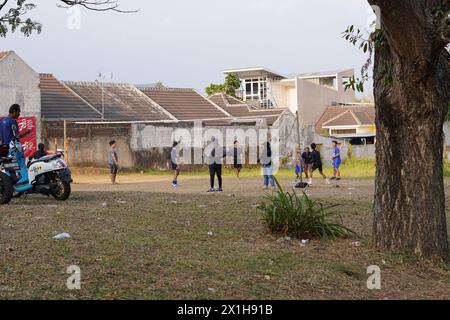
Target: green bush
(298, 216)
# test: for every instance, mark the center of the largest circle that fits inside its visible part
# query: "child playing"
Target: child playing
(298, 168)
(307, 164)
(237, 158)
(336, 161)
(174, 164)
(317, 162)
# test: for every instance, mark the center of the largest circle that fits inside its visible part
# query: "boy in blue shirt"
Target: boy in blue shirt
(336, 161)
(9, 128)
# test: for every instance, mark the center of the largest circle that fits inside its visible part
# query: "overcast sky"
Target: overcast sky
(187, 43)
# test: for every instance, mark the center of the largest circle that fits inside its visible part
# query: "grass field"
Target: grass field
(362, 168)
(143, 239)
(355, 168)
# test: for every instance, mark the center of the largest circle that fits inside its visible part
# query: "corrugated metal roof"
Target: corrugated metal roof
(58, 102)
(122, 102)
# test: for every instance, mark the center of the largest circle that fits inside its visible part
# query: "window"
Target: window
(328, 82)
(256, 90)
(343, 131)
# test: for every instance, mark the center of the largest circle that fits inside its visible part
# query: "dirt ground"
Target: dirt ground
(143, 239)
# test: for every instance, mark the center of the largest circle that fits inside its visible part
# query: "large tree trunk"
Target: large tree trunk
(411, 79)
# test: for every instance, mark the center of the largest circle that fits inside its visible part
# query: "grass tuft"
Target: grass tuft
(298, 216)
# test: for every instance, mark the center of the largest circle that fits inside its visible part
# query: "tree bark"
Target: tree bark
(412, 91)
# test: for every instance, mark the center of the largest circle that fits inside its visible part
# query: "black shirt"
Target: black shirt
(307, 158)
(315, 157)
(39, 154)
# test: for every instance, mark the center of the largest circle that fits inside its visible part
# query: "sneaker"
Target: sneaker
(211, 190)
(174, 185)
(219, 190)
(339, 178)
(333, 178)
(266, 188)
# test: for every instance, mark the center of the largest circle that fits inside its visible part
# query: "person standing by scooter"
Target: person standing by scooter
(9, 128)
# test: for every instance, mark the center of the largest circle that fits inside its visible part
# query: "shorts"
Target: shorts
(173, 166)
(316, 166)
(336, 163)
(298, 169)
(237, 166)
(113, 168)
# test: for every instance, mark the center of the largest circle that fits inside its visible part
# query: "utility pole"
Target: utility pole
(299, 131)
(102, 78)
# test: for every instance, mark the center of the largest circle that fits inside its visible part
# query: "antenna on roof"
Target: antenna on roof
(102, 78)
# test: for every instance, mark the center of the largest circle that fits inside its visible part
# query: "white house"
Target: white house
(19, 84)
(309, 94)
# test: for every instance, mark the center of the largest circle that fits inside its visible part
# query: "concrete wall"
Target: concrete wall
(345, 95)
(147, 146)
(363, 152)
(89, 144)
(19, 84)
(313, 100)
(284, 93)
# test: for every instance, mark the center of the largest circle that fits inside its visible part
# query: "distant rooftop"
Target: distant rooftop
(255, 72)
(323, 74)
(265, 72)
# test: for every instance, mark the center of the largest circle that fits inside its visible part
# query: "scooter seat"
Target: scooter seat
(44, 159)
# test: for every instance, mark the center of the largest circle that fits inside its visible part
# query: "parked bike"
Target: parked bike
(48, 175)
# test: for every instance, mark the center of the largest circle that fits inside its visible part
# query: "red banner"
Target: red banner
(28, 142)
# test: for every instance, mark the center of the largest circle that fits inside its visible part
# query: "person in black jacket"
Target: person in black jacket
(237, 158)
(215, 160)
(316, 163)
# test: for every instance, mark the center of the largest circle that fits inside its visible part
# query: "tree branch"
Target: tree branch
(102, 5)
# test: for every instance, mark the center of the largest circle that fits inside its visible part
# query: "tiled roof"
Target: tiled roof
(365, 118)
(58, 102)
(3, 54)
(346, 116)
(82, 101)
(344, 119)
(122, 102)
(240, 109)
(185, 104)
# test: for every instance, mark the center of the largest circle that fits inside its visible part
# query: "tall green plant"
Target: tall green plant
(298, 216)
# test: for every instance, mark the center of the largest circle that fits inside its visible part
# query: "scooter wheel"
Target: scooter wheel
(6, 189)
(63, 190)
